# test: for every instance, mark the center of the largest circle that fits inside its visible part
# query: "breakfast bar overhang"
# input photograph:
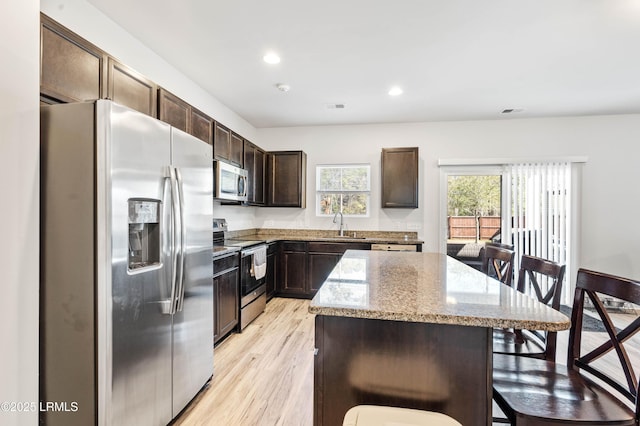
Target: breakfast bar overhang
(413, 330)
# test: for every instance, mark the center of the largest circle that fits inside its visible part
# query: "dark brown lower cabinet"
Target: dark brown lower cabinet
(323, 257)
(225, 295)
(292, 269)
(272, 261)
(304, 266)
(436, 367)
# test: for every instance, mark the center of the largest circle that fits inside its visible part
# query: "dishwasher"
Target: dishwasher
(394, 247)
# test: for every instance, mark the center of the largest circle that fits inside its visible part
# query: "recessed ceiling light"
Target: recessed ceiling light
(271, 58)
(395, 91)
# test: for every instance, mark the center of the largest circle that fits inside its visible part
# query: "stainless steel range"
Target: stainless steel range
(253, 265)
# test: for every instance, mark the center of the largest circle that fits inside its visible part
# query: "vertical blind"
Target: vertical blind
(538, 195)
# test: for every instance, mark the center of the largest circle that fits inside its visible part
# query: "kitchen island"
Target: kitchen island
(413, 330)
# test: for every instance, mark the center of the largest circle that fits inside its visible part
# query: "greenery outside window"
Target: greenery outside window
(344, 188)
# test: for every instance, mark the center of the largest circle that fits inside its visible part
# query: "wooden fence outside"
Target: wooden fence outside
(467, 228)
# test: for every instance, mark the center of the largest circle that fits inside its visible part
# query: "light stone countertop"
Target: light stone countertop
(372, 237)
(427, 287)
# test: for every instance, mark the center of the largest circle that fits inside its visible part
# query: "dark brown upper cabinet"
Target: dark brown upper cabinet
(131, 89)
(400, 178)
(236, 149)
(227, 145)
(286, 179)
(254, 163)
(173, 110)
(181, 115)
(201, 125)
(71, 68)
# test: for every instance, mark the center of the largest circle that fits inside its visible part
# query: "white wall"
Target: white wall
(91, 24)
(19, 212)
(610, 193)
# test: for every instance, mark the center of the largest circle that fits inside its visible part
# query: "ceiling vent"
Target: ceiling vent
(512, 110)
(335, 106)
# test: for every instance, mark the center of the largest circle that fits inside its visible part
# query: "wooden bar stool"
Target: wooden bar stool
(544, 278)
(376, 415)
(534, 391)
(498, 263)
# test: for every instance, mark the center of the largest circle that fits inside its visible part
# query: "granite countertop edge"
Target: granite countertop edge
(434, 318)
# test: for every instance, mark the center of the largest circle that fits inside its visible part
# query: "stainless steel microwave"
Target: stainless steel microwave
(229, 182)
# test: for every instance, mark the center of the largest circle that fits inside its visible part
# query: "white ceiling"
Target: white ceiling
(455, 59)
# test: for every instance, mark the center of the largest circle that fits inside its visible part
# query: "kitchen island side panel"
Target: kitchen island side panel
(437, 367)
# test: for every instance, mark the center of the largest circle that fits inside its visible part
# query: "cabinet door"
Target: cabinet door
(131, 89)
(249, 165)
(216, 308)
(400, 177)
(286, 179)
(272, 260)
(292, 277)
(320, 266)
(221, 141)
(258, 176)
(324, 256)
(201, 126)
(254, 162)
(71, 68)
(227, 302)
(173, 110)
(235, 149)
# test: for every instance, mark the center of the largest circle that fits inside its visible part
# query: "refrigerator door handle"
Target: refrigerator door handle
(181, 246)
(175, 234)
(166, 305)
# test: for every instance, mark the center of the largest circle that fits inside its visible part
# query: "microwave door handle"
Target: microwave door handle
(181, 246)
(244, 186)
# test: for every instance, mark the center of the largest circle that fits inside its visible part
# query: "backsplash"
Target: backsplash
(322, 233)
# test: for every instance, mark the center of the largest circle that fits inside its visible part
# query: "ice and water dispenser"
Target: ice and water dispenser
(144, 233)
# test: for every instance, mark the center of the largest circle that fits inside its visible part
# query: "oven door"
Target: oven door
(248, 281)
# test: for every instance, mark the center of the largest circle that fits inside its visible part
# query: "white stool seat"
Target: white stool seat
(375, 415)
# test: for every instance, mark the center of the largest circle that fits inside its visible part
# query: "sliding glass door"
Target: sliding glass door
(536, 214)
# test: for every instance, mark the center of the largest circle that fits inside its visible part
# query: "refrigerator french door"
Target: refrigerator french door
(126, 288)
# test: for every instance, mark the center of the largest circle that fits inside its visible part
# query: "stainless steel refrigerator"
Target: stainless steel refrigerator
(126, 284)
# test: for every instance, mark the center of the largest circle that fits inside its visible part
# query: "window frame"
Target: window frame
(320, 192)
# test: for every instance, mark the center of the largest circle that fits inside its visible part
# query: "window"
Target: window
(344, 188)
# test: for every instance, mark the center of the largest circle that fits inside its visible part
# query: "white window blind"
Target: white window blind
(539, 199)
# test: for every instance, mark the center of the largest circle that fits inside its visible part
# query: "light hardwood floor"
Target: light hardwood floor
(264, 376)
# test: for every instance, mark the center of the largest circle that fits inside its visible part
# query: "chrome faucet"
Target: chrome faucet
(341, 222)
